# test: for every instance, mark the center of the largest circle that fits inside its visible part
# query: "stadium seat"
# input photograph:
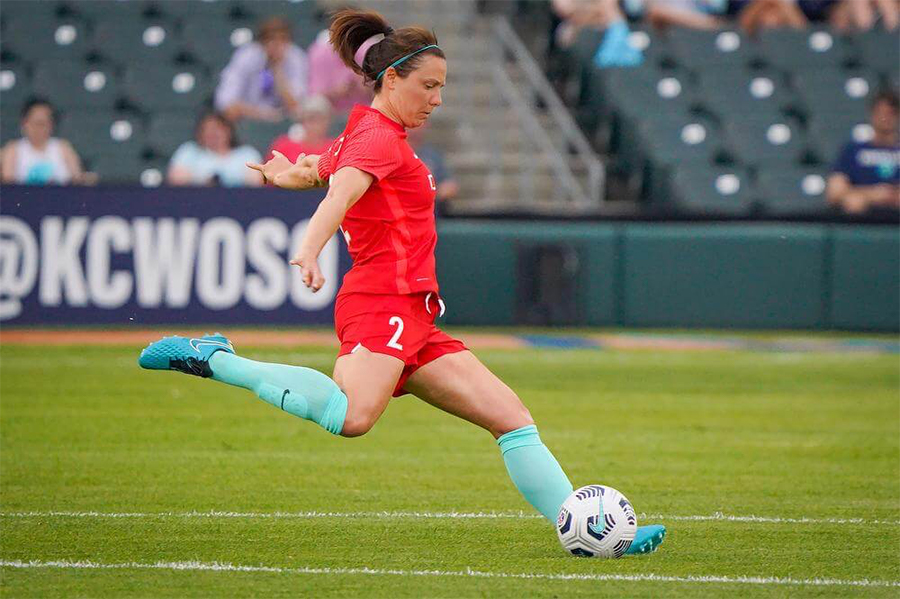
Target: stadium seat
(212, 41)
(879, 50)
(292, 10)
(789, 49)
(69, 84)
(154, 88)
(47, 10)
(120, 10)
(94, 135)
(764, 141)
(129, 42)
(642, 91)
(669, 142)
(32, 39)
(15, 87)
(792, 191)
(836, 90)
(201, 9)
(714, 191)
(9, 124)
(827, 133)
(693, 48)
(260, 134)
(733, 92)
(655, 47)
(128, 169)
(168, 130)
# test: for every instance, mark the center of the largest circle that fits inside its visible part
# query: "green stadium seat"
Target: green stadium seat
(31, 39)
(764, 141)
(827, 133)
(655, 47)
(836, 90)
(713, 191)
(697, 49)
(48, 10)
(130, 42)
(260, 134)
(70, 84)
(293, 10)
(15, 87)
(128, 169)
(212, 41)
(168, 130)
(790, 50)
(792, 191)
(668, 142)
(202, 9)
(879, 50)
(154, 88)
(735, 93)
(119, 10)
(642, 91)
(94, 134)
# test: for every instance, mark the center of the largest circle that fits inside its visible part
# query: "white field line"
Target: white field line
(715, 517)
(468, 572)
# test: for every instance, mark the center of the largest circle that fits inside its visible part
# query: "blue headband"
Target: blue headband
(397, 62)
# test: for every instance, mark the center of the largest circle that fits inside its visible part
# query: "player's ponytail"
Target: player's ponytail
(356, 36)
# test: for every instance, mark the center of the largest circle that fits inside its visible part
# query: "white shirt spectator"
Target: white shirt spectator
(250, 80)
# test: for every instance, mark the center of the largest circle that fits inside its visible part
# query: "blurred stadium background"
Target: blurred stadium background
(686, 187)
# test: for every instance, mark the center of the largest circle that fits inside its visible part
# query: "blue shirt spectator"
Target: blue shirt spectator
(866, 176)
(214, 158)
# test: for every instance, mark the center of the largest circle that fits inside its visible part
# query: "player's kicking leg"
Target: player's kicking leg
(460, 384)
(303, 392)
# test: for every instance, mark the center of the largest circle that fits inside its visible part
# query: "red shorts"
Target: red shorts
(396, 325)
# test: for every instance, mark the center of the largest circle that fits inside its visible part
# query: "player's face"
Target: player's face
(420, 93)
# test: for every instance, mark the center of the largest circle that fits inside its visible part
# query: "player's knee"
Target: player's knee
(513, 418)
(358, 422)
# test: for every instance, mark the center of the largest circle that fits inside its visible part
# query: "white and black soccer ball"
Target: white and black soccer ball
(596, 521)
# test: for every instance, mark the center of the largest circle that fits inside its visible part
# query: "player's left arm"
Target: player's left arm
(347, 185)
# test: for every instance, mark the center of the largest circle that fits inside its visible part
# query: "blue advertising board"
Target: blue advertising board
(160, 256)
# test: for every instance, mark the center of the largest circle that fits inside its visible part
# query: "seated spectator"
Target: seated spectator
(446, 186)
(866, 176)
(265, 79)
(330, 77)
(310, 134)
(850, 16)
(694, 14)
(38, 158)
(603, 15)
(214, 158)
(756, 15)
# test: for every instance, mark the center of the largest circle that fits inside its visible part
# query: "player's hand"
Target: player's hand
(309, 270)
(303, 174)
(272, 168)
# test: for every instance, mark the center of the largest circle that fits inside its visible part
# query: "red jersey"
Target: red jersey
(390, 231)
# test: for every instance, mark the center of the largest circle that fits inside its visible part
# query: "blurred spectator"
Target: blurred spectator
(310, 134)
(265, 79)
(694, 14)
(446, 186)
(756, 15)
(861, 15)
(38, 158)
(867, 175)
(330, 77)
(214, 158)
(603, 15)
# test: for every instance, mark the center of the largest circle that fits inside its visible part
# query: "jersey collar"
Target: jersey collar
(359, 110)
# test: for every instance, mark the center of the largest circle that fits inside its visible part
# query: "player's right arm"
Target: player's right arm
(347, 185)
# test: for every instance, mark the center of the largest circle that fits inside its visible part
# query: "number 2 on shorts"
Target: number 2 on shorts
(396, 320)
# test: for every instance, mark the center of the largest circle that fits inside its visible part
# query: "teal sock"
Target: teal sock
(300, 391)
(535, 472)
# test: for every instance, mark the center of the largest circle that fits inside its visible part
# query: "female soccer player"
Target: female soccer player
(382, 197)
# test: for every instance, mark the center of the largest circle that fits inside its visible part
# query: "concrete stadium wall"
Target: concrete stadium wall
(682, 275)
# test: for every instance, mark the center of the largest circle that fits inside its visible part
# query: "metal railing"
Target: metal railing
(587, 192)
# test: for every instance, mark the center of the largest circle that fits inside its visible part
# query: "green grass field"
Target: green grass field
(117, 482)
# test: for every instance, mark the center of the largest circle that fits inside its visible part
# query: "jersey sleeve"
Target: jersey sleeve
(375, 151)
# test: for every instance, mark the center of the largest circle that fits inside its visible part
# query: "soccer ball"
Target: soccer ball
(596, 521)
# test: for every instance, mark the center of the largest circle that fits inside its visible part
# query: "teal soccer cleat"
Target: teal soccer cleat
(187, 355)
(647, 539)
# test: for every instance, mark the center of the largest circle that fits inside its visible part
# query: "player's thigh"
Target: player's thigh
(368, 380)
(460, 384)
